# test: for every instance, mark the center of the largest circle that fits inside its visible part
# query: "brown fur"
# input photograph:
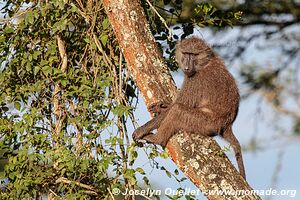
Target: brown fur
(207, 103)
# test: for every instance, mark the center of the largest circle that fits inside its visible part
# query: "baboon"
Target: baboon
(207, 104)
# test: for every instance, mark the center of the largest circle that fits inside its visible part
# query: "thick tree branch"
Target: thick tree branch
(201, 159)
(140, 50)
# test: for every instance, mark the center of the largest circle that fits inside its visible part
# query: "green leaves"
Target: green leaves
(105, 24)
(60, 25)
(296, 127)
(208, 15)
(205, 8)
(121, 110)
(29, 19)
(17, 105)
(62, 124)
(104, 39)
(8, 30)
(130, 176)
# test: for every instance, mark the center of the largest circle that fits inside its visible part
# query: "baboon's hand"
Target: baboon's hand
(155, 139)
(139, 137)
(138, 134)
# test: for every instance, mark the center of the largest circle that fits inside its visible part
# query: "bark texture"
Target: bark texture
(200, 158)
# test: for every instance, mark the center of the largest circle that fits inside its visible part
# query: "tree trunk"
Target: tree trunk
(200, 158)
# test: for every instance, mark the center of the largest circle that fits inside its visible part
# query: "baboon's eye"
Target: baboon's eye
(190, 54)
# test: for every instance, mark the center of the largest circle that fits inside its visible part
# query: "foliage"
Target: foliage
(208, 15)
(66, 100)
(64, 141)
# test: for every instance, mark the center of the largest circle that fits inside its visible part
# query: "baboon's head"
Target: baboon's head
(192, 54)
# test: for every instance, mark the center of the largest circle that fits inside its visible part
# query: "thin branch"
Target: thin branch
(62, 51)
(90, 190)
(161, 19)
(52, 193)
(112, 196)
(99, 46)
